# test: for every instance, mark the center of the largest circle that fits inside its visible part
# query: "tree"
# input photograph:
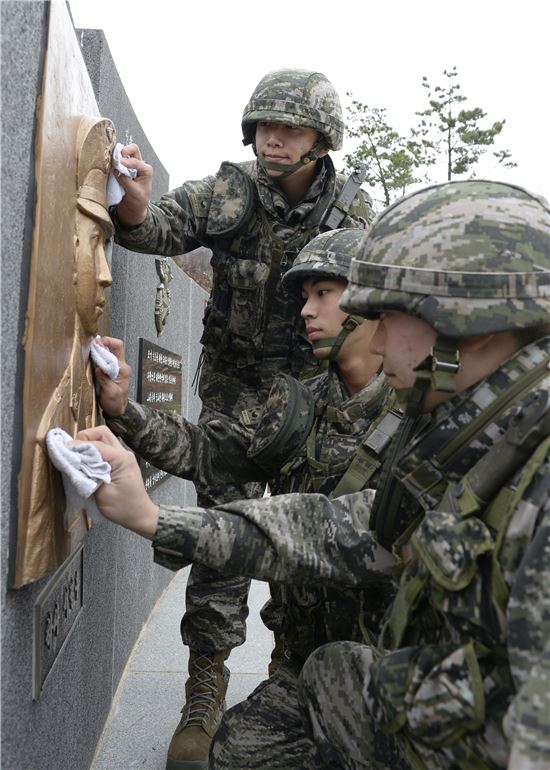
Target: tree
(445, 133)
(391, 160)
(455, 133)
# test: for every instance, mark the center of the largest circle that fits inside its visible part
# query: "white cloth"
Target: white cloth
(103, 358)
(82, 469)
(115, 191)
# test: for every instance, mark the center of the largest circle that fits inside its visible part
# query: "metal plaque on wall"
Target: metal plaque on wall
(159, 386)
(55, 612)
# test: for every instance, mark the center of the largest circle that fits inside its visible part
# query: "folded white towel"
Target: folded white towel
(82, 469)
(103, 358)
(115, 191)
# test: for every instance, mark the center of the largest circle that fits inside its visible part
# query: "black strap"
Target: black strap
(341, 206)
(390, 490)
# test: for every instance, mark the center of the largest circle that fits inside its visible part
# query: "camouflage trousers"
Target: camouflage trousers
(267, 730)
(333, 683)
(331, 693)
(217, 606)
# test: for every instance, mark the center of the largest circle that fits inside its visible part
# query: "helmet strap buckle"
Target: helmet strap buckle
(444, 364)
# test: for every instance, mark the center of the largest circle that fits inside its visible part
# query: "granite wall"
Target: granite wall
(60, 726)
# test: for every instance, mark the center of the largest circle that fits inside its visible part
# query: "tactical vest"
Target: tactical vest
(248, 317)
(292, 427)
(446, 623)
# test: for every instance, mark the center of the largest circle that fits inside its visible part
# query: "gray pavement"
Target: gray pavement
(146, 706)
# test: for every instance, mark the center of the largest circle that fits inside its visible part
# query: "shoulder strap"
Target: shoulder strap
(489, 480)
(341, 206)
(526, 430)
(390, 491)
(526, 443)
(368, 456)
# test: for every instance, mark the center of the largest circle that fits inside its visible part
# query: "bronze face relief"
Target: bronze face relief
(68, 295)
(49, 529)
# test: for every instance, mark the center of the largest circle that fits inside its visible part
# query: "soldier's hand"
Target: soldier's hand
(132, 209)
(125, 500)
(113, 396)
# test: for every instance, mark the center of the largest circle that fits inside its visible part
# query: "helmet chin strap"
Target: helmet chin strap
(438, 370)
(287, 169)
(349, 324)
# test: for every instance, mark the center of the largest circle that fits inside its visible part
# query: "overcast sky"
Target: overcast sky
(190, 67)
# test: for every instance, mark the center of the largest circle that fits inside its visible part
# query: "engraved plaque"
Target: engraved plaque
(159, 386)
(55, 613)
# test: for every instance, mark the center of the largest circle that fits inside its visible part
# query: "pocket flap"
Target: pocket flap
(247, 274)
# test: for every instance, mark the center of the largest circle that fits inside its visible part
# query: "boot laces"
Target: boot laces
(201, 700)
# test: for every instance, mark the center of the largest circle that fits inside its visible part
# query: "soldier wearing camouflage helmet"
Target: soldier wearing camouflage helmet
(459, 276)
(297, 99)
(310, 436)
(255, 217)
(459, 676)
(326, 258)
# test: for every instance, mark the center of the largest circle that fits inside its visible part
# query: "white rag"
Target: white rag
(115, 191)
(103, 358)
(82, 469)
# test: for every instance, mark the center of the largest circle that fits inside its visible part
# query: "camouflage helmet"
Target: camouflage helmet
(468, 257)
(296, 98)
(328, 255)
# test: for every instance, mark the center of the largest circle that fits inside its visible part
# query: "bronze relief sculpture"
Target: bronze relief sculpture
(164, 295)
(48, 529)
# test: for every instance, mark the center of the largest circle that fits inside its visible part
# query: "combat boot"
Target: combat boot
(202, 711)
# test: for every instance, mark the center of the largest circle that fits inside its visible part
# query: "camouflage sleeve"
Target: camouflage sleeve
(294, 538)
(366, 205)
(211, 452)
(528, 720)
(174, 224)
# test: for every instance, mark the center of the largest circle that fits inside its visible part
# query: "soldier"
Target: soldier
(459, 275)
(315, 436)
(255, 217)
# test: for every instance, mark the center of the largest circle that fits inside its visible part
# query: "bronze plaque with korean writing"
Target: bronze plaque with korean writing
(159, 386)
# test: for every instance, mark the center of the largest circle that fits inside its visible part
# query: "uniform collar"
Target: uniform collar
(276, 204)
(462, 429)
(347, 409)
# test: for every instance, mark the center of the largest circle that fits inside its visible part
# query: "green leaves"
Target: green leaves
(446, 136)
(390, 158)
(454, 134)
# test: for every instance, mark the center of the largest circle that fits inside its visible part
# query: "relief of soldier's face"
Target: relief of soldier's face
(92, 274)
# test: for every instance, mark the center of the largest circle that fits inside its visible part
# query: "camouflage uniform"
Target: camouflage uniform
(266, 730)
(250, 330)
(459, 677)
(302, 440)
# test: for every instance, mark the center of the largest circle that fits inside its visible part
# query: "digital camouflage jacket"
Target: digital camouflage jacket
(250, 328)
(320, 453)
(462, 673)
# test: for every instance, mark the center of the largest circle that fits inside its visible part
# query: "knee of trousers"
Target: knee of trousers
(326, 664)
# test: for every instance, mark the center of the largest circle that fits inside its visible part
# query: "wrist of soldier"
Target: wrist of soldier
(126, 217)
(114, 409)
(144, 521)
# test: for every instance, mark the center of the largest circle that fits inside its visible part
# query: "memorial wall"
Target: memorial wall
(74, 593)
